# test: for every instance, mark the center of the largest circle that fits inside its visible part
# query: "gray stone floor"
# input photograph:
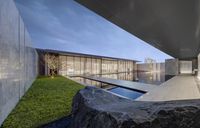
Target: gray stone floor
(180, 87)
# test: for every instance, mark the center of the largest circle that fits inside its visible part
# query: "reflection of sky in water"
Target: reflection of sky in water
(144, 77)
(155, 78)
(126, 92)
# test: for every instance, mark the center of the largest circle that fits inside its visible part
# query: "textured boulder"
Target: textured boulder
(97, 108)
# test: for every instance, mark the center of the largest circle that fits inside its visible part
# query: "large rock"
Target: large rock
(97, 108)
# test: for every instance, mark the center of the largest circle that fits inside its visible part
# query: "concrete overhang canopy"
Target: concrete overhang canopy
(173, 26)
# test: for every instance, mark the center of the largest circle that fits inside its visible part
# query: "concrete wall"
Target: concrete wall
(18, 61)
(171, 67)
(162, 67)
(194, 63)
(185, 67)
(198, 60)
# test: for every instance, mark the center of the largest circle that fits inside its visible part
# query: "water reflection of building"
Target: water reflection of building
(150, 65)
(153, 69)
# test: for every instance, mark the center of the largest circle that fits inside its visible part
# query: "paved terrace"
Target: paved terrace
(177, 88)
(140, 87)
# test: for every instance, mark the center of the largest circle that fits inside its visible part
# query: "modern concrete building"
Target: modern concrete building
(181, 66)
(171, 26)
(71, 64)
(18, 61)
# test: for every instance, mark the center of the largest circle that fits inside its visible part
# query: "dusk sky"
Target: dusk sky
(68, 26)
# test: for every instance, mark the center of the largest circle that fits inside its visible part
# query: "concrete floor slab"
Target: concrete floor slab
(177, 88)
(141, 87)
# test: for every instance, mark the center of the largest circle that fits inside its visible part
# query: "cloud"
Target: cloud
(66, 25)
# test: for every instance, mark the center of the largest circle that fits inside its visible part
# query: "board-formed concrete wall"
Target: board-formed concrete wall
(171, 67)
(198, 61)
(18, 61)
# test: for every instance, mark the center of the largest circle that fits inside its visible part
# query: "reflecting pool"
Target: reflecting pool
(126, 92)
(154, 78)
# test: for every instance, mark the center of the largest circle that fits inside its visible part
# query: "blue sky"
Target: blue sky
(68, 26)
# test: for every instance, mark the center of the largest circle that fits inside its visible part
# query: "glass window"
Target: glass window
(77, 66)
(94, 66)
(88, 66)
(63, 65)
(98, 66)
(70, 65)
(82, 65)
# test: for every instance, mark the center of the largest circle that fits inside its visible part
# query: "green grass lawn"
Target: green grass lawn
(47, 100)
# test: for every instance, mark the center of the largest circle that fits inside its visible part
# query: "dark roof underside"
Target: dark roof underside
(82, 55)
(173, 26)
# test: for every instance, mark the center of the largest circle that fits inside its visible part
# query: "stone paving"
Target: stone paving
(180, 87)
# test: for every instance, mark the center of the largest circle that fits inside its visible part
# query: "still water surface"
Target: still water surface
(155, 78)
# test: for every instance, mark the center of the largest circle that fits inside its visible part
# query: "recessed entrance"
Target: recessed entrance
(185, 67)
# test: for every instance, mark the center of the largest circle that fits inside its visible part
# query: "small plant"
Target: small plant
(52, 63)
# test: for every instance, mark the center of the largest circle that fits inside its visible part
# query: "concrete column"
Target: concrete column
(171, 67)
(198, 74)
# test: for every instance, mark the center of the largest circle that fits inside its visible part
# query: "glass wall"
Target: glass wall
(82, 65)
(88, 66)
(75, 65)
(63, 65)
(70, 65)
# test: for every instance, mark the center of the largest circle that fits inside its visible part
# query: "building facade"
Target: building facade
(70, 64)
